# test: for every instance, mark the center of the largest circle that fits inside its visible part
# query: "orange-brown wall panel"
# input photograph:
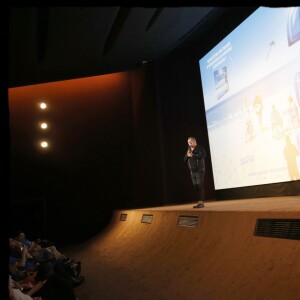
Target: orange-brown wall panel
(90, 137)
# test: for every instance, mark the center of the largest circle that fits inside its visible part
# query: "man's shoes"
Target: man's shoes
(199, 205)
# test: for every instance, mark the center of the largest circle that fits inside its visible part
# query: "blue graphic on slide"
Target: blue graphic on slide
(221, 82)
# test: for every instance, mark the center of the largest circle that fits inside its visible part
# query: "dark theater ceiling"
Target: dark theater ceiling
(58, 43)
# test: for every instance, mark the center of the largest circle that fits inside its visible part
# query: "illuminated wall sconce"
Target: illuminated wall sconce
(44, 125)
(44, 144)
(43, 105)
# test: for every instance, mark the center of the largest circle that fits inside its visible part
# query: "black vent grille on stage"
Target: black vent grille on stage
(278, 228)
(147, 219)
(188, 221)
(123, 217)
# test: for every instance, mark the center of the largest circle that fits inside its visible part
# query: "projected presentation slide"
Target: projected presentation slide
(251, 89)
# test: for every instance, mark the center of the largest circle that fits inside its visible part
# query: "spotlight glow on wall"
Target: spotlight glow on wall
(43, 105)
(44, 144)
(44, 125)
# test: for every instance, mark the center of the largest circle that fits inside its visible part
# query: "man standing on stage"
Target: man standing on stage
(194, 158)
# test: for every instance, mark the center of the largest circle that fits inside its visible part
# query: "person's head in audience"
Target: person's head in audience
(15, 248)
(35, 251)
(20, 237)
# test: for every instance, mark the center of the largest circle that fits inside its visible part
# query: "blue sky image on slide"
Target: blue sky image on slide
(255, 48)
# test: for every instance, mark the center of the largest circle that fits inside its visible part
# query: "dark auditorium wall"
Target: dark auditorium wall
(182, 115)
(117, 141)
(102, 155)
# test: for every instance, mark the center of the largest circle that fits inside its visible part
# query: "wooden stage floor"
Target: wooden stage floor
(219, 259)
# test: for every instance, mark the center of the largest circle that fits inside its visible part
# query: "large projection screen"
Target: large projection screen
(251, 88)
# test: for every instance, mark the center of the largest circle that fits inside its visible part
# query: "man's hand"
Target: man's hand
(189, 154)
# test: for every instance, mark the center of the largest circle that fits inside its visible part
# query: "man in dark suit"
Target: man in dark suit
(194, 158)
